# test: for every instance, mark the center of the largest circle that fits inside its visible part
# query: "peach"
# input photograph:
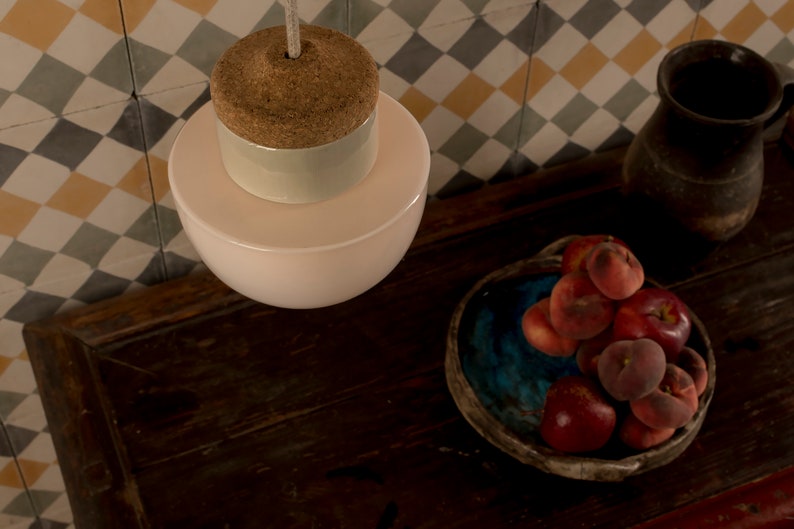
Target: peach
(540, 334)
(615, 270)
(589, 350)
(630, 369)
(578, 309)
(574, 257)
(690, 361)
(670, 405)
(636, 434)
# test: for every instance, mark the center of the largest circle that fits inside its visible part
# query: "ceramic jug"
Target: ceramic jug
(697, 164)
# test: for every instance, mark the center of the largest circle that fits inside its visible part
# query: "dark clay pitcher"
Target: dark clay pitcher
(698, 162)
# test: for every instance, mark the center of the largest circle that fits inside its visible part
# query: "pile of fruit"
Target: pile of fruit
(639, 380)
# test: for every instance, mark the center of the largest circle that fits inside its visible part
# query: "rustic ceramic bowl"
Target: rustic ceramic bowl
(499, 381)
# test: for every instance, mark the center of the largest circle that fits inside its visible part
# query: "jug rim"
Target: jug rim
(696, 51)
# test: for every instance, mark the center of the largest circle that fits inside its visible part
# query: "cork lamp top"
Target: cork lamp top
(269, 99)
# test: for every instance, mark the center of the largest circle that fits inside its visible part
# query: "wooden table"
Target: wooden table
(186, 405)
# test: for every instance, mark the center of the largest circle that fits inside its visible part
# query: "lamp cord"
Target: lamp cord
(293, 30)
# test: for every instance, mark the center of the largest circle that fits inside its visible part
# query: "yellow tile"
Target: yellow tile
(744, 24)
(516, 84)
(15, 213)
(105, 13)
(135, 11)
(31, 470)
(79, 195)
(199, 6)
(158, 169)
(704, 30)
(9, 476)
(4, 363)
(584, 65)
(683, 36)
(37, 22)
(540, 73)
(136, 181)
(637, 52)
(467, 97)
(417, 103)
(784, 17)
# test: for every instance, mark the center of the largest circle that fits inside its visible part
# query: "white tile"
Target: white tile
(29, 414)
(109, 162)
(383, 49)
(176, 100)
(177, 72)
(62, 276)
(566, 8)
(545, 144)
(770, 7)
(27, 137)
(236, 17)
(117, 211)
(440, 125)
(552, 97)
(59, 510)
(605, 83)
(765, 38)
(442, 169)
(36, 178)
(18, 60)
(18, 377)
(392, 84)
(50, 229)
(720, 13)
(40, 449)
(504, 20)
(488, 160)
(617, 34)
(19, 110)
(494, 113)
(562, 47)
(11, 342)
(441, 78)
(387, 24)
(671, 20)
(83, 43)
(597, 128)
(447, 11)
(92, 93)
(100, 119)
(445, 36)
(166, 26)
(501, 63)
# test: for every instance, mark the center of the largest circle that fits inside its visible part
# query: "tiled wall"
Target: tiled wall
(92, 93)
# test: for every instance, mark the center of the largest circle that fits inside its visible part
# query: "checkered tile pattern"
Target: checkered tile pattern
(93, 94)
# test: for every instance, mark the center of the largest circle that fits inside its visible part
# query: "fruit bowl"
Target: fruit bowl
(499, 381)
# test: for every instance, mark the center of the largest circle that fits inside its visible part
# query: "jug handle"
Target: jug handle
(786, 74)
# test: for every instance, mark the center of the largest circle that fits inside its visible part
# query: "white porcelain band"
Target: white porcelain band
(297, 176)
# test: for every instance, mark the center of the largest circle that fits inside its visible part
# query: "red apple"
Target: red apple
(615, 270)
(654, 313)
(540, 334)
(574, 257)
(578, 309)
(630, 369)
(576, 415)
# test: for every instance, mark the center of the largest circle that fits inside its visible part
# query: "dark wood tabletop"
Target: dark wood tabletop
(186, 405)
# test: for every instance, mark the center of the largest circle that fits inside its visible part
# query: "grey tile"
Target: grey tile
(19, 437)
(645, 10)
(146, 62)
(20, 506)
(413, 58)
(548, 22)
(178, 266)
(476, 6)
(68, 143)
(574, 114)
(593, 16)
(10, 158)
(144, 229)
(620, 138)
(9, 400)
(34, 306)
(156, 121)
(626, 100)
(475, 44)
(197, 104)
(24, 262)
(782, 53)
(362, 12)
(3, 96)
(462, 182)
(463, 144)
(571, 151)
(273, 17)
(154, 272)
(127, 130)
(89, 244)
(508, 134)
(168, 223)
(531, 123)
(412, 11)
(101, 285)
(114, 68)
(205, 44)
(334, 15)
(51, 84)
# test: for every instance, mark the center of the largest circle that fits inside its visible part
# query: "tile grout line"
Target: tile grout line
(28, 493)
